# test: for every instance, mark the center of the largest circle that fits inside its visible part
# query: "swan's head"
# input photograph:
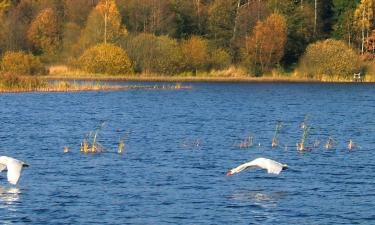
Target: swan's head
(232, 172)
(285, 166)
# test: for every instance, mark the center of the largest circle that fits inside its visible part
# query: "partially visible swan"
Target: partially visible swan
(268, 164)
(14, 168)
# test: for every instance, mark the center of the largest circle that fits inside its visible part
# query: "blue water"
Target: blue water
(180, 146)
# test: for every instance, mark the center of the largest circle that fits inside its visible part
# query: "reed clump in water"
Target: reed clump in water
(275, 139)
(306, 130)
(247, 142)
(330, 144)
(121, 145)
(90, 143)
(351, 145)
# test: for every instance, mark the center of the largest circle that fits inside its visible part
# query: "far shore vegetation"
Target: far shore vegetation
(183, 41)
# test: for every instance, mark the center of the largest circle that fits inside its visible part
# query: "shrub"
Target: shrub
(330, 58)
(219, 59)
(154, 54)
(22, 63)
(105, 58)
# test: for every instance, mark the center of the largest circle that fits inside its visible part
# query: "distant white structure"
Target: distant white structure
(357, 77)
(268, 164)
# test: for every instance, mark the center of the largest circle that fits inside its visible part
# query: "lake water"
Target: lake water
(181, 145)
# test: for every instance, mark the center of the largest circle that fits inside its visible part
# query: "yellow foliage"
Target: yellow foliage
(21, 63)
(363, 14)
(44, 34)
(265, 48)
(195, 51)
(155, 54)
(329, 59)
(103, 24)
(105, 59)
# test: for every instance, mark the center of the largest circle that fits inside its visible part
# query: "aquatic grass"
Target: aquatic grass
(330, 143)
(90, 143)
(72, 86)
(275, 140)
(306, 130)
(121, 144)
(247, 142)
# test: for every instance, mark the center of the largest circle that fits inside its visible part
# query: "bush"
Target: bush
(330, 58)
(155, 54)
(22, 63)
(105, 58)
(219, 59)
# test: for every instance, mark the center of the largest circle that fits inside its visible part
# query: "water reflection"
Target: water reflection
(9, 196)
(259, 198)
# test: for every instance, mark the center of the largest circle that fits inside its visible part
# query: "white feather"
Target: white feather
(268, 164)
(13, 166)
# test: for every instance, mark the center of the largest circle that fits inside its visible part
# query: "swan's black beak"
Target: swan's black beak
(25, 165)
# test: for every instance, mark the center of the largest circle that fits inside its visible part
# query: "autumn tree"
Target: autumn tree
(221, 21)
(195, 51)
(265, 48)
(4, 4)
(343, 19)
(369, 46)
(148, 16)
(77, 11)
(71, 32)
(248, 13)
(300, 27)
(15, 23)
(44, 34)
(103, 25)
(363, 19)
(154, 54)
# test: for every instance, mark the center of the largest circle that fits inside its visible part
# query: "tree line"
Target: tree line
(173, 36)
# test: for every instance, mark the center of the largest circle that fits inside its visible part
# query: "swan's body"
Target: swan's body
(14, 168)
(270, 165)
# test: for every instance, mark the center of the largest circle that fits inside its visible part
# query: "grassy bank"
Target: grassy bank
(229, 75)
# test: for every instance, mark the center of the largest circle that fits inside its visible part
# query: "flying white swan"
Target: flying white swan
(267, 164)
(14, 168)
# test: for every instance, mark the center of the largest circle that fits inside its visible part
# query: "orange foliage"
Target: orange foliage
(195, 51)
(370, 47)
(265, 48)
(44, 34)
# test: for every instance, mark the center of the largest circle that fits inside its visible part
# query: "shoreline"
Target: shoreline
(88, 88)
(193, 79)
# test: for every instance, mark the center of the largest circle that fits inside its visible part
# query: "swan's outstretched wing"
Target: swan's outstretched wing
(271, 166)
(14, 171)
(267, 164)
(2, 167)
